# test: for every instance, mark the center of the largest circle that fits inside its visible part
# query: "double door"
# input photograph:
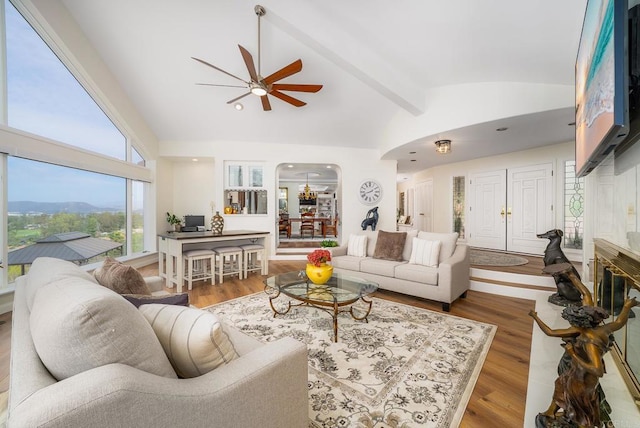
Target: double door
(509, 207)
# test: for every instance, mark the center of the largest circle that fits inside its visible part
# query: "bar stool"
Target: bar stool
(229, 262)
(251, 254)
(197, 268)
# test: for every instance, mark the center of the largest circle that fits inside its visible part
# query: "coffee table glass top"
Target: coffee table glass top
(339, 289)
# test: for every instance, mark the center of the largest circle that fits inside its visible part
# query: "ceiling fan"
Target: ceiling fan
(264, 86)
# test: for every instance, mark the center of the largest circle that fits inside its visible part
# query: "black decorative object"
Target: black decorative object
(567, 294)
(371, 219)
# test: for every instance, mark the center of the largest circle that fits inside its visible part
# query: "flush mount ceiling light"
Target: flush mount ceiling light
(238, 106)
(443, 146)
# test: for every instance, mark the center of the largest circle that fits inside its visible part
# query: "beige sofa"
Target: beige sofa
(265, 385)
(443, 283)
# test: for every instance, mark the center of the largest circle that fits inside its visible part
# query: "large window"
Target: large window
(57, 193)
(57, 210)
(45, 99)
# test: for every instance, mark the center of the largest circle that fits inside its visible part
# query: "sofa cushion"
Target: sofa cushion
(193, 339)
(390, 245)
(408, 244)
(447, 242)
(178, 299)
(379, 266)
(121, 278)
(425, 252)
(417, 273)
(347, 262)
(45, 270)
(357, 245)
(77, 325)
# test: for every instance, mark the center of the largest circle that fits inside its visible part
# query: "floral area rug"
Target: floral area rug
(406, 367)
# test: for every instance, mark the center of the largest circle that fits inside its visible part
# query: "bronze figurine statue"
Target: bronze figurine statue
(371, 219)
(577, 396)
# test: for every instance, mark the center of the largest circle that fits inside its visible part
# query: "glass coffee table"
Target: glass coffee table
(336, 296)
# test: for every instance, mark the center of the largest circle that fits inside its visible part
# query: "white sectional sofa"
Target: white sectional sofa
(444, 281)
(66, 327)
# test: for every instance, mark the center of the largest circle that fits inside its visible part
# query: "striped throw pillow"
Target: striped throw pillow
(425, 252)
(193, 339)
(357, 246)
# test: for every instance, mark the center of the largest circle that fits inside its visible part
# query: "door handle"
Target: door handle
(509, 211)
(502, 213)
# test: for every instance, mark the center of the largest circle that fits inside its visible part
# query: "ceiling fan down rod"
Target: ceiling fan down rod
(260, 11)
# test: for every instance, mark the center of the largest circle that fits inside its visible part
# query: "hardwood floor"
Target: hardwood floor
(499, 396)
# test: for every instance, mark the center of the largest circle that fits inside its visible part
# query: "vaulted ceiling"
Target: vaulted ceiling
(397, 75)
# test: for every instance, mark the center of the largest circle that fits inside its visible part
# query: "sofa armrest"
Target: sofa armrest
(338, 251)
(453, 273)
(266, 387)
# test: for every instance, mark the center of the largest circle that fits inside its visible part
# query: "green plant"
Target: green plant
(172, 219)
(328, 243)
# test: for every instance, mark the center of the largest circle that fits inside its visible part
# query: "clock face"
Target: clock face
(370, 192)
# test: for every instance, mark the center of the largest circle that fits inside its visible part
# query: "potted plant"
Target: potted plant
(318, 271)
(174, 221)
(328, 243)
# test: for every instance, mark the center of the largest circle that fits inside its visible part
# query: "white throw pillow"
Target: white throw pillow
(78, 325)
(193, 339)
(425, 252)
(357, 246)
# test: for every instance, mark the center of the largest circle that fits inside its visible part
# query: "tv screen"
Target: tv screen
(193, 220)
(601, 83)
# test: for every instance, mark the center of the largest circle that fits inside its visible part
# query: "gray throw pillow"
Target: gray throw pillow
(179, 299)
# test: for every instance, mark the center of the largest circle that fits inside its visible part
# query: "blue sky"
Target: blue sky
(45, 99)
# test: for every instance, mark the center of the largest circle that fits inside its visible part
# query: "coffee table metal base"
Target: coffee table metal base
(333, 308)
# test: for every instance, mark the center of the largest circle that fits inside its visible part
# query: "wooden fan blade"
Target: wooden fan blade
(224, 86)
(287, 98)
(266, 105)
(248, 60)
(287, 71)
(236, 99)
(220, 70)
(296, 87)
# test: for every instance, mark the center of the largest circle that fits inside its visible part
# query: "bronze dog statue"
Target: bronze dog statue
(567, 293)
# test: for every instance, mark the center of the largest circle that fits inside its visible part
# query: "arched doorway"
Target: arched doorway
(305, 188)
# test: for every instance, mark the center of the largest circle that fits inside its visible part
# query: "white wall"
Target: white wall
(443, 177)
(355, 165)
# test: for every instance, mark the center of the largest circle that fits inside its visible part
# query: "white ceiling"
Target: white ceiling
(378, 60)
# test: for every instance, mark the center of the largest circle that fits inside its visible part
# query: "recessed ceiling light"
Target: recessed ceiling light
(289, 166)
(328, 166)
(504, 128)
(238, 106)
(195, 159)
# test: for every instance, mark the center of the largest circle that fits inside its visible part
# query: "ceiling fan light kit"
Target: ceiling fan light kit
(263, 87)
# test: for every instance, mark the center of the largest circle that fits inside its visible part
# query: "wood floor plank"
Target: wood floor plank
(500, 393)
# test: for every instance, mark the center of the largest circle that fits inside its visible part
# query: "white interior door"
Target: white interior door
(487, 210)
(423, 219)
(508, 208)
(529, 207)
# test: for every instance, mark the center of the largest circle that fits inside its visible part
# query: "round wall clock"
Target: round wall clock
(370, 192)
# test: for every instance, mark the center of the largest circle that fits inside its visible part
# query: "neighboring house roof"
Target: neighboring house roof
(71, 246)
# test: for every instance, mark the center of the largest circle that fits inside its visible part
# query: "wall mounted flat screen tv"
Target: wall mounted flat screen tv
(601, 83)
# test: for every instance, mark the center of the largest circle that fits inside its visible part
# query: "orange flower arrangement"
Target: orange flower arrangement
(318, 257)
